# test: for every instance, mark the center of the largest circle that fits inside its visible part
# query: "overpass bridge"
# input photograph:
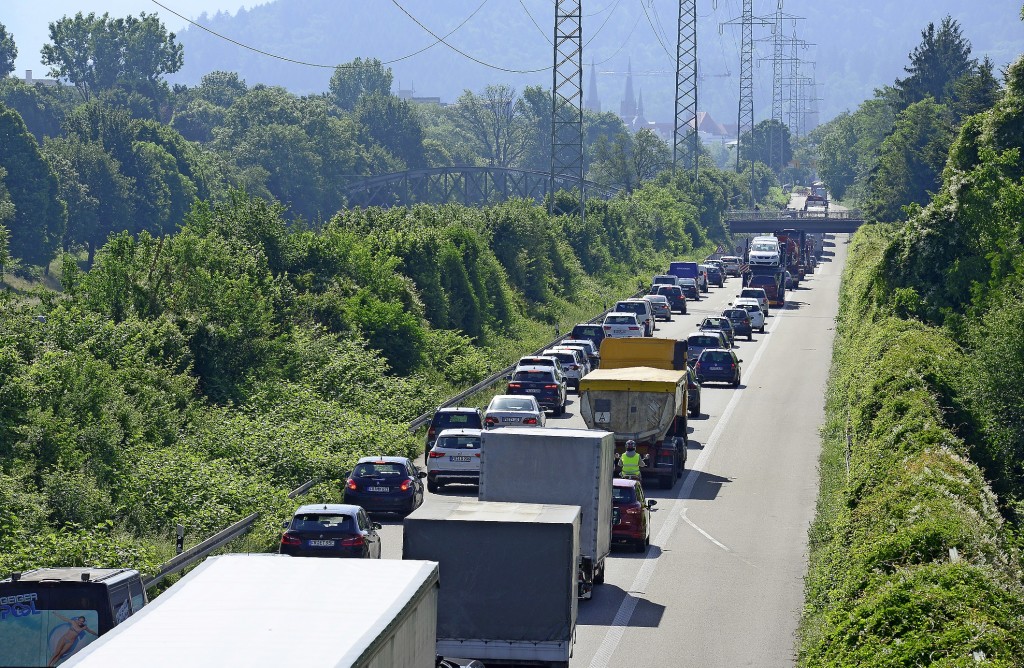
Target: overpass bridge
(836, 220)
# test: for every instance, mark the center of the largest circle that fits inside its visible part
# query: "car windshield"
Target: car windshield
(458, 442)
(623, 494)
(716, 357)
(513, 404)
(444, 419)
(378, 469)
(617, 319)
(537, 376)
(765, 247)
(322, 522)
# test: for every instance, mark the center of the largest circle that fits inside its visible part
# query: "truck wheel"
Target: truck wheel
(666, 481)
(640, 545)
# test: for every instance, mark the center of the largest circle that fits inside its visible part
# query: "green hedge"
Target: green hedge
(882, 588)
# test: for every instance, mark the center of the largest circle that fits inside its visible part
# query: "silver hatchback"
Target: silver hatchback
(455, 458)
(514, 410)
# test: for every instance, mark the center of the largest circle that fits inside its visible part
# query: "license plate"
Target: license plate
(533, 391)
(458, 458)
(715, 368)
(378, 489)
(321, 543)
(510, 419)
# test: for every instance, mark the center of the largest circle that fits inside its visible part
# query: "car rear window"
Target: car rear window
(322, 522)
(752, 308)
(586, 331)
(534, 376)
(635, 307)
(716, 356)
(445, 419)
(513, 404)
(621, 319)
(703, 341)
(565, 358)
(537, 361)
(736, 314)
(623, 494)
(375, 469)
(670, 290)
(458, 442)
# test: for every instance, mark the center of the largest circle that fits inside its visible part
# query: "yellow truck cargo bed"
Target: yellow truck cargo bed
(643, 352)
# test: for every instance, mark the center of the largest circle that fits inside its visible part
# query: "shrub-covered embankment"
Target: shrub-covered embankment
(909, 563)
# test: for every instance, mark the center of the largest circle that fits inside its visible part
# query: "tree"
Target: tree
(498, 121)
(630, 159)
(39, 218)
(353, 80)
(975, 92)
(6, 214)
(758, 145)
(393, 124)
(8, 52)
(936, 64)
(99, 53)
(220, 88)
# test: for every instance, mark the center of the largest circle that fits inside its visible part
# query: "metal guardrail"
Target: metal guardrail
(843, 214)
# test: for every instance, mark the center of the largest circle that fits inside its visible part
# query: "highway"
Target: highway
(722, 583)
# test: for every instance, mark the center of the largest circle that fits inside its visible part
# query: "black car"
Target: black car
(691, 292)
(331, 530)
(542, 384)
(675, 296)
(588, 330)
(692, 392)
(716, 276)
(720, 323)
(453, 417)
(740, 320)
(718, 365)
(385, 485)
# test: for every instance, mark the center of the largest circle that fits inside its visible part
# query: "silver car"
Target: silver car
(662, 309)
(455, 458)
(574, 361)
(593, 352)
(514, 410)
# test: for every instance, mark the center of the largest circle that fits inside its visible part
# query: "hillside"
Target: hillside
(858, 45)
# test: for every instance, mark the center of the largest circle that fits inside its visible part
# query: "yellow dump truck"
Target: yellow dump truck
(667, 354)
(643, 404)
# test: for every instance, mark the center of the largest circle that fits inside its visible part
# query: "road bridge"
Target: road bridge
(471, 186)
(837, 221)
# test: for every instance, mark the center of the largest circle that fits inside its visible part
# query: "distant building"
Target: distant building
(39, 82)
(409, 95)
(593, 102)
(627, 106)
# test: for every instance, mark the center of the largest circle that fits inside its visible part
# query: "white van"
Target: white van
(702, 278)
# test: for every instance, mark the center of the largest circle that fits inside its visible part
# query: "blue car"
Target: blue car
(385, 485)
(718, 365)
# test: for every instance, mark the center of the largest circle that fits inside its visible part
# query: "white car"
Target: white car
(583, 355)
(572, 365)
(620, 325)
(731, 265)
(593, 352)
(454, 457)
(662, 309)
(753, 307)
(644, 312)
(764, 252)
(514, 410)
(756, 293)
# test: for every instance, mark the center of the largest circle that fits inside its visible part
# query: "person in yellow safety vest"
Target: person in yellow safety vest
(630, 461)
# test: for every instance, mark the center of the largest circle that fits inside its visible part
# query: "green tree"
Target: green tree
(39, 218)
(936, 64)
(6, 215)
(498, 121)
(8, 52)
(628, 159)
(764, 142)
(910, 160)
(353, 80)
(220, 88)
(99, 53)
(393, 124)
(975, 92)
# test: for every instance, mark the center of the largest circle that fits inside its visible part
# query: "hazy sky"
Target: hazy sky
(29, 20)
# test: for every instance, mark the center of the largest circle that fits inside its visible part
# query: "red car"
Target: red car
(631, 514)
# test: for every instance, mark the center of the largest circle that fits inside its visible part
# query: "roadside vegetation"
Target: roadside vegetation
(916, 547)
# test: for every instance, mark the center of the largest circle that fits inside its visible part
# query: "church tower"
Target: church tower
(593, 102)
(627, 108)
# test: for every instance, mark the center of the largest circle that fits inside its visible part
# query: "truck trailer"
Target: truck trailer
(509, 572)
(571, 467)
(274, 610)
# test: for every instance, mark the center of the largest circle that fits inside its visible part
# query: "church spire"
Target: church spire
(593, 101)
(627, 108)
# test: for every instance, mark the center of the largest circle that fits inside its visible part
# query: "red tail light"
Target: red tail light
(634, 329)
(527, 421)
(406, 484)
(477, 454)
(490, 421)
(290, 539)
(608, 328)
(351, 484)
(352, 541)
(431, 433)
(514, 386)
(550, 387)
(435, 455)
(633, 510)
(696, 366)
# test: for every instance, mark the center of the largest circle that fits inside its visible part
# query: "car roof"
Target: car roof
(624, 482)
(658, 298)
(456, 409)
(626, 313)
(386, 458)
(581, 342)
(716, 350)
(341, 508)
(463, 431)
(534, 367)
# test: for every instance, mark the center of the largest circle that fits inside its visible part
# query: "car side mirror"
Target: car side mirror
(423, 474)
(740, 360)
(651, 503)
(284, 525)
(376, 526)
(508, 377)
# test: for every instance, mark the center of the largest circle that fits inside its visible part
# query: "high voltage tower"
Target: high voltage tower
(567, 98)
(779, 84)
(686, 143)
(745, 117)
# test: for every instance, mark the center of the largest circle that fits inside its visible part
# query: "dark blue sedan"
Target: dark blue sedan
(331, 530)
(718, 365)
(385, 485)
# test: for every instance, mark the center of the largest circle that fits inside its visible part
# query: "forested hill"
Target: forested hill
(858, 45)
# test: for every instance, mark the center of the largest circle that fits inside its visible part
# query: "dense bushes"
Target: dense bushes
(882, 589)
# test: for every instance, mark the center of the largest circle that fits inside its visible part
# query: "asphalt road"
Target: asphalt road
(722, 583)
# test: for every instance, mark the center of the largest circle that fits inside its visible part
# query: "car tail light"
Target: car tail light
(477, 454)
(290, 539)
(574, 367)
(529, 420)
(431, 433)
(550, 387)
(607, 328)
(632, 510)
(514, 386)
(435, 455)
(406, 484)
(352, 541)
(351, 484)
(490, 421)
(634, 329)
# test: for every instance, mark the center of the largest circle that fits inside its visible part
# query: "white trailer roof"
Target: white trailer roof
(264, 610)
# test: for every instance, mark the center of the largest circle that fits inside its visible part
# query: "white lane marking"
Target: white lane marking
(613, 636)
(701, 531)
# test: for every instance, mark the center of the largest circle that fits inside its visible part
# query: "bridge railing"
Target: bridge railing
(842, 214)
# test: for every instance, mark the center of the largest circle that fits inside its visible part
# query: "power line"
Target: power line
(643, 4)
(286, 59)
(460, 51)
(534, 22)
(623, 45)
(603, 23)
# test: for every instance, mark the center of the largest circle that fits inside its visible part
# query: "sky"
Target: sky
(28, 20)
